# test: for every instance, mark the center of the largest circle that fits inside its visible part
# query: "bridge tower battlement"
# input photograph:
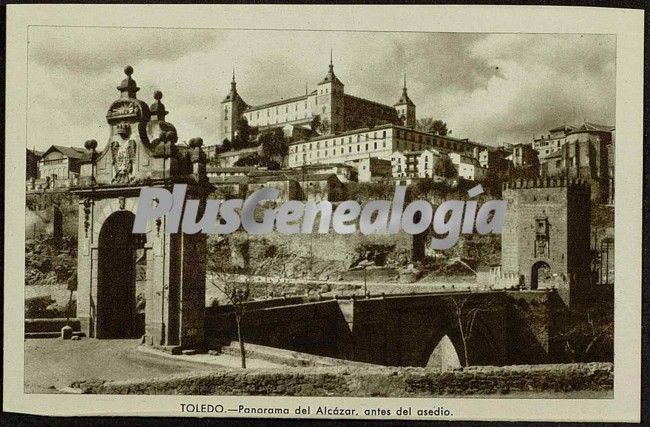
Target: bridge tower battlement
(545, 237)
(576, 185)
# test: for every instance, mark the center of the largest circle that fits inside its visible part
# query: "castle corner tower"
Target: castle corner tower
(328, 101)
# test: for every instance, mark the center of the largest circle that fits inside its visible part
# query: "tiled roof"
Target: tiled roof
(595, 127)
(317, 177)
(274, 103)
(69, 152)
(562, 127)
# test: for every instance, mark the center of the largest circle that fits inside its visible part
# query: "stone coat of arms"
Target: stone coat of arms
(123, 157)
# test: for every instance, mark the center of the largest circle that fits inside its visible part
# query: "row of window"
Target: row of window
(335, 152)
(250, 116)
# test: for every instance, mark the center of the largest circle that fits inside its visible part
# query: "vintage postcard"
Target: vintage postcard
(355, 212)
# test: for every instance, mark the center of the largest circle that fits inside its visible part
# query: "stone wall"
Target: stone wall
(323, 256)
(597, 378)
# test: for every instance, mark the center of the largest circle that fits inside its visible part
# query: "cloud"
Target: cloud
(490, 88)
(97, 50)
(547, 80)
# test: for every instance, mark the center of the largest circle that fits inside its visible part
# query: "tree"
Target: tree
(274, 144)
(431, 125)
(445, 168)
(237, 293)
(464, 309)
(439, 128)
(588, 333)
(250, 160)
(243, 131)
(325, 126)
(315, 123)
(226, 145)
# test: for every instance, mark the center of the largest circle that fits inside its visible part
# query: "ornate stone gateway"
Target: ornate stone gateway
(149, 285)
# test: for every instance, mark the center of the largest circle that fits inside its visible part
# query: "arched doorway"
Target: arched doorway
(540, 275)
(117, 315)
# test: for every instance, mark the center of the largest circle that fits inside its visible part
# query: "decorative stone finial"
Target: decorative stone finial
(90, 145)
(128, 87)
(158, 108)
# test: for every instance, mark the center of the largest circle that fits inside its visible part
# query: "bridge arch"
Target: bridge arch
(444, 355)
(447, 342)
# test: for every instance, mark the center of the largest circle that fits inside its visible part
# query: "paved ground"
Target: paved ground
(52, 364)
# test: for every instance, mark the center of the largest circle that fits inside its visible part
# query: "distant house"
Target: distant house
(288, 186)
(373, 169)
(60, 166)
(217, 172)
(553, 141)
(324, 186)
(229, 186)
(426, 162)
(494, 159)
(587, 153)
(468, 167)
(344, 172)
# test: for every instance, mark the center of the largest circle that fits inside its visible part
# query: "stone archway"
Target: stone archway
(540, 274)
(117, 316)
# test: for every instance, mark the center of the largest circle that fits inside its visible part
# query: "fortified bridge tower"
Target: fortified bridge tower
(152, 285)
(545, 239)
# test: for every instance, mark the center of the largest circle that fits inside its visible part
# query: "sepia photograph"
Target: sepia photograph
(332, 213)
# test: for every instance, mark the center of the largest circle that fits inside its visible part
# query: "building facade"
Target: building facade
(553, 141)
(587, 153)
(468, 167)
(374, 169)
(380, 142)
(60, 166)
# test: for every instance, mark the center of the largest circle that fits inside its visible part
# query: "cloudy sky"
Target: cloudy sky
(491, 88)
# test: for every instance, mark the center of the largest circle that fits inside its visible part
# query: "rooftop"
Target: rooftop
(69, 152)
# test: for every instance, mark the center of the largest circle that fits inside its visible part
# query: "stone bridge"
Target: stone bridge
(498, 327)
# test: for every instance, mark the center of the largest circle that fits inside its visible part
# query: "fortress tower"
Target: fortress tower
(545, 239)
